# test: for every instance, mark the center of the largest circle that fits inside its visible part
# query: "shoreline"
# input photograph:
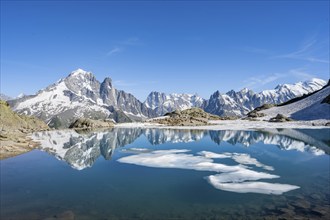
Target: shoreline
(235, 125)
(15, 143)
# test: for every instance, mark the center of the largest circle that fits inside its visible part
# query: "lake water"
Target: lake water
(134, 173)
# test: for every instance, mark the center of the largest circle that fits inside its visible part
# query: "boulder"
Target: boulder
(280, 118)
(86, 123)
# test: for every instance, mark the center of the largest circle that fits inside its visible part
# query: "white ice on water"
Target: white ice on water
(254, 187)
(235, 178)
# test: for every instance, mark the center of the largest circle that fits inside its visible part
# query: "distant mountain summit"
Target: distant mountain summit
(5, 97)
(314, 106)
(240, 103)
(80, 94)
(162, 103)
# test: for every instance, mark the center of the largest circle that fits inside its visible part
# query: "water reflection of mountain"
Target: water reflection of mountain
(285, 139)
(161, 136)
(82, 150)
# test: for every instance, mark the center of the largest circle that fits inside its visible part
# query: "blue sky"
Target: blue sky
(174, 46)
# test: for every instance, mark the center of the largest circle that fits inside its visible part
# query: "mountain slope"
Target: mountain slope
(14, 129)
(309, 108)
(11, 121)
(81, 95)
(240, 103)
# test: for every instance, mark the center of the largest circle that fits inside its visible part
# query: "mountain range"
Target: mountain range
(240, 103)
(80, 94)
(4, 97)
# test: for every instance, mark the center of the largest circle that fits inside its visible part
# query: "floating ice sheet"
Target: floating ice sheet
(178, 159)
(234, 178)
(241, 176)
(238, 157)
(253, 187)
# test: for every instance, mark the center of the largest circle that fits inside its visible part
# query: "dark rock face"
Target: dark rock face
(326, 100)
(132, 106)
(108, 92)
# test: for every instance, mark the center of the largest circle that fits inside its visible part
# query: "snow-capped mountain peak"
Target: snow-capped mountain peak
(244, 90)
(80, 94)
(311, 107)
(83, 83)
(162, 103)
(79, 72)
(246, 100)
(298, 89)
(21, 95)
(317, 81)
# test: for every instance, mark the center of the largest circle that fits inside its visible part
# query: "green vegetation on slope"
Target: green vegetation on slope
(14, 129)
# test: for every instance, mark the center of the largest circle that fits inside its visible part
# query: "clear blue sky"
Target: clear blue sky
(176, 46)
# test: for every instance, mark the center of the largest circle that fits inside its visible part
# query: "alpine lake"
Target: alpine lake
(139, 173)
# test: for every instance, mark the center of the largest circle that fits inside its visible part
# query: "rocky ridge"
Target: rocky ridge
(188, 117)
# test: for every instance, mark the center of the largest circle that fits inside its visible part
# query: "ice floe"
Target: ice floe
(178, 159)
(235, 178)
(254, 187)
(238, 157)
(241, 176)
